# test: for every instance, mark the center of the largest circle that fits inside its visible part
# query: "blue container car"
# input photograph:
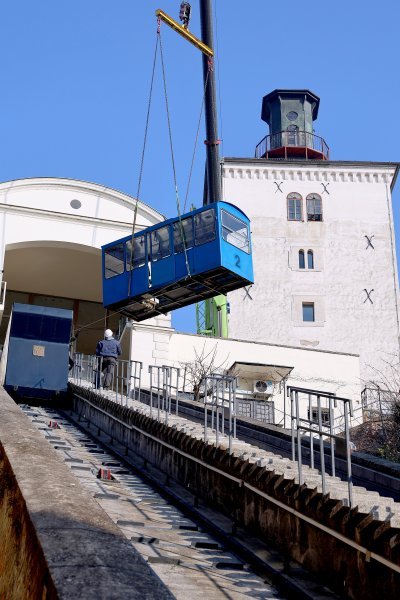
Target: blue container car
(162, 277)
(38, 351)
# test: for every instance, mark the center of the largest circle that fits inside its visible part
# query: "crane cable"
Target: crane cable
(142, 162)
(158, 43)
(195, 141)
(183, 237)
(182, 232)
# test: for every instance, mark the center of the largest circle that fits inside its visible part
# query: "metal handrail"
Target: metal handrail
(291, 139)
(124, 377)
(319, 432)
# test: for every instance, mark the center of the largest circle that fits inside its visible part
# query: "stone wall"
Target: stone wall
(55, 539)
(23, 569)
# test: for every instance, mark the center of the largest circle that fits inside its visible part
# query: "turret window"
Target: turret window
(292, 115)
(314, 207)
(294, 207)
(292, 131)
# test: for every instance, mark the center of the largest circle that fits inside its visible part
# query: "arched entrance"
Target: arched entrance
(60, 274)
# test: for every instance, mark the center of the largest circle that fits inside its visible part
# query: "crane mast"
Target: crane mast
(213, 171)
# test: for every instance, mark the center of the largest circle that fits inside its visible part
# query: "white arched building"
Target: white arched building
(51, 232)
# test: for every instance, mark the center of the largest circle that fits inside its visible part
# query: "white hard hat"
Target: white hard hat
(108, 334)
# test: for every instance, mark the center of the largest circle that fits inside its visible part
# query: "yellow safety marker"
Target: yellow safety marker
(184, 32)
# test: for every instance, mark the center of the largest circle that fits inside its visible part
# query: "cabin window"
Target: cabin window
(31, 326)
(294, 209)
(114, 261)
(235, 231)
(139, 252)
(204, 224)
(186, 225)
(160, 243)
(314, 207)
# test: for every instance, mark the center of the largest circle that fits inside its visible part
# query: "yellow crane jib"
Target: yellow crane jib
(184, 33)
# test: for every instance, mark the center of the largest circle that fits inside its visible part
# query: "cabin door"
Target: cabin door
(161, 264)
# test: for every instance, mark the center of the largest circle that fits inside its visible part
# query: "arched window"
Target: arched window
(302, 262)
(314, 207)
(310, 259)
(294, 207)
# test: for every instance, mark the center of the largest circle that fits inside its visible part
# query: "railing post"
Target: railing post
(292, 418)
(311, 434)
(205, 411)
(331, 432)
(299, 457)
(348, 453)
(321, 445)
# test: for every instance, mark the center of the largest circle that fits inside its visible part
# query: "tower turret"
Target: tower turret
(290, 115)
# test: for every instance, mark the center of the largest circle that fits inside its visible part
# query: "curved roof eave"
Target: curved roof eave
(63, 182)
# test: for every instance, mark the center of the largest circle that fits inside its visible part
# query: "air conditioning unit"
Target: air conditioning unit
(263, 387)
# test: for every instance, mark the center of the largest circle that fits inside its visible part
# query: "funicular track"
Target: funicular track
(194, 550)
(278, 440)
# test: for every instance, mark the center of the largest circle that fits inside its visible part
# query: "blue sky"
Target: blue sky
(75, 79)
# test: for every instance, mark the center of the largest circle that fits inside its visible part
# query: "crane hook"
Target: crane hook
(184, 14)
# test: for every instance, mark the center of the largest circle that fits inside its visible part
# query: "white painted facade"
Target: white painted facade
(66, 210)
(356, 203)
(336, 373)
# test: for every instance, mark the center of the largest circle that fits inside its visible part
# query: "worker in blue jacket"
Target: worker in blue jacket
(108, 351)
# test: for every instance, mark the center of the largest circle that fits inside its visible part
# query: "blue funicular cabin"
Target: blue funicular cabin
(178, 262)
(37, 350)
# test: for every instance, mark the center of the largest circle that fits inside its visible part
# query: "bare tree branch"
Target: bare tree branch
(203, 365)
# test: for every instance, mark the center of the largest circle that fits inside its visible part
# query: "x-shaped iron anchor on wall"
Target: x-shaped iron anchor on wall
(368, 295)
(325, 188)
(369, 240)
(278, 186)
(247, 294)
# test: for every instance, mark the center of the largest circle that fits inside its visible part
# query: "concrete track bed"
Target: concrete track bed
(56, 541)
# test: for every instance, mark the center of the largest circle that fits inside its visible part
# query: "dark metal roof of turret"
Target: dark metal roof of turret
(265, 111)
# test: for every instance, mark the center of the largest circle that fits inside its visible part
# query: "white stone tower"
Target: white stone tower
(323, 242)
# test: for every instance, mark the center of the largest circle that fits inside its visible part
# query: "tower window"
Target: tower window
(292, 131)
(314, 207)
(292, 115)
(310, 259)
(308, 312)
(302, 262)
(294, 207)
